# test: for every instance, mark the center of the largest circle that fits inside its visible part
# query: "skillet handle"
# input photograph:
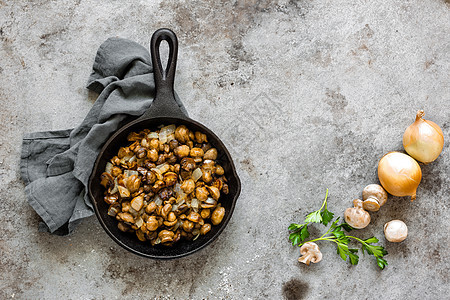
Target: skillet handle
(164, 104)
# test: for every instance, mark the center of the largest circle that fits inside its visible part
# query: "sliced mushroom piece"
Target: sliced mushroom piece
(123, 227)
(208, 204)
(188, 226)
(165, 210)
(159, 184)
(196, 152)
(141, 153)
(177, 236)
(187, 164)
(166, 236)
(140, 235)
(201, 193)
(310, 253)
(225, 189)
(170, 223)
(194, 217)
(170, 178)
(200, 137)
(188, 186)
(106, 180)
(182, 151)
(165, 194)
(124, 151)
(206, 176)
(152, 223)
(205, 228)
(133, 183)
(182, 134)
(211, 154)
(218, 183)
(151, 207)
(152, 155)
(205, 213)
(219, 170)
(116, 171)
(126, 206)
(111, 199)
(151, 177)
(217, 215)
(126, 217)
(185, 174)
(173, 144)
(134, 136)
(214, 192)
(154, 144)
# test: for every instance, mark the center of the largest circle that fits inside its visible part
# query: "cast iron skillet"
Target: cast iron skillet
(164, 110)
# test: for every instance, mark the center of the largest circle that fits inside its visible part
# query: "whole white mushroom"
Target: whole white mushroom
(395, 231)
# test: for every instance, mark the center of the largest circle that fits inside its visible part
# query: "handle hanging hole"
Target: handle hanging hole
(164, 56)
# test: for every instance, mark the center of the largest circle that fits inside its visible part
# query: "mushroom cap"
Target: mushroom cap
(395, 231)
(357, 217)
(376, 191)
(371, 204)
(309, 247)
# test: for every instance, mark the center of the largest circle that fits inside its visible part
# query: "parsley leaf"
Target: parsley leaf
(371, 240)
(327, 216)
(377, 251)
(304, 233)
(314, 217)
(338, 233)
(347, 227)
(342, 250)
(382, 263)
(294, 226)
(323, 215)
(294, 238)
(299, 234)
(354, 258)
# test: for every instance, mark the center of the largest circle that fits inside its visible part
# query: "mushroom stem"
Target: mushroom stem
(306, 259)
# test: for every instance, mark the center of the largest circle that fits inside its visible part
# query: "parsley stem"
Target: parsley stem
(355, 238)
(359, 240)
(324, 201)
(322, 238)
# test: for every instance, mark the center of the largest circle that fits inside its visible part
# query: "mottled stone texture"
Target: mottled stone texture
(307, 95)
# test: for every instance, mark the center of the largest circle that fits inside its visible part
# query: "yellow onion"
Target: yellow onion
(399, 174)
(423, 139)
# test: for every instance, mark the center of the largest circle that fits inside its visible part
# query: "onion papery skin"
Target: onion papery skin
(399, 174)
(423, 139)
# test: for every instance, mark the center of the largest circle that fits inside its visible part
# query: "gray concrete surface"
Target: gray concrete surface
(308, 95)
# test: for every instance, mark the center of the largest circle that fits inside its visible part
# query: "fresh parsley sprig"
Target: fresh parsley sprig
(299, 233)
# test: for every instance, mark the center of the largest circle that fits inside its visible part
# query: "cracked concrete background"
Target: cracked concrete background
(307, 95)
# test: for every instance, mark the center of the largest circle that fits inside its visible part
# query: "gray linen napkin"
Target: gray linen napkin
(55, 165)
